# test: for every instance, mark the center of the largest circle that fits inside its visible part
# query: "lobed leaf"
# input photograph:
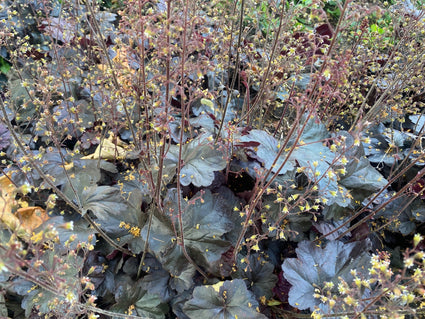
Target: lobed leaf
(200, 161)
(204, 224)
(315, 265)
(225, 300)
(118, 218)
(258, 275)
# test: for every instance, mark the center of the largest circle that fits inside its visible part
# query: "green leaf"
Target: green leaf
(229, 202)
(319, 162)
(5, 136)
(336, 212)
(418, 121)
(359, 176)
(314, 265)
(177, 304)
(314, 130)
(5, 236)
(162, 237)
(53, 166)
(183, 281)
(134, 185)
(417, 209)
(82, 174)
(387, 145)
(322, 174)
(4, 66)
(150, 306)
(158, 280)
(224, 300)
(203, 120)
(19, 96)
(200, 161)
(65, 118)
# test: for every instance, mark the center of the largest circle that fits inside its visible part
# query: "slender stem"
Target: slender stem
(269, 65)
(232, 85)
(262, 189)
(358, 121)
(395, 217)
(181, 142)
(111, 314)
(166, 106)
(328, 53)
(420, 173)
(95, 26)
(383, 205)
(30, 158)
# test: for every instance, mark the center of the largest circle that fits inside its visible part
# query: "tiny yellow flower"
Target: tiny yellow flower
(417, 239)
(256, 247)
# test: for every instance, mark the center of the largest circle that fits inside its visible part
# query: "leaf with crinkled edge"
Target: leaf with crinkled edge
(204, 224)
(184, 280)
(5, 236)
(268, 150)
(65, 269)
(418, 121)
(117, 217)
(103, 201)
(316, 158)
(130, 293)
(79, 228)
(314, 130)
(407, 217)
(200, 160)
(258, 275)
(364, 177)
(53, 166)
(317, 154)
(387, 145)
(224, 300)
(315, 265)
(319, 161)
(297, 223)
(157, 283)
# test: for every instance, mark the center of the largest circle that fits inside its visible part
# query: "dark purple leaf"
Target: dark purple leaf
(281, 290)
(4, 136)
